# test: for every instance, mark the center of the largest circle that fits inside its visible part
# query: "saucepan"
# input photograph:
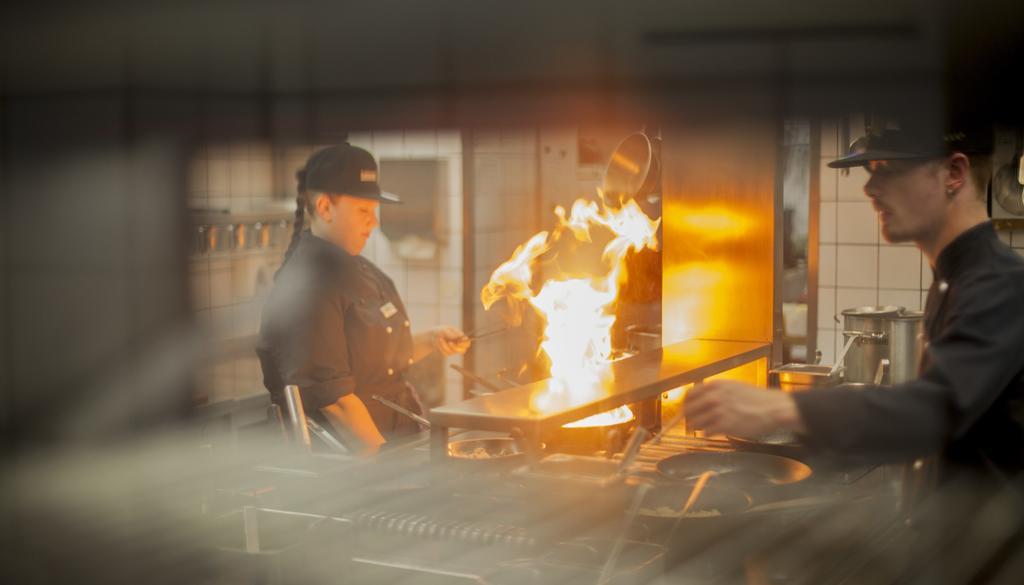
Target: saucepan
(738, 469)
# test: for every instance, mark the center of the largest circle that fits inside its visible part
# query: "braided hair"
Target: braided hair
(300, 218)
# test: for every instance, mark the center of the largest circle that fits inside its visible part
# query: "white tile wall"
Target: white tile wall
(827, 226)
(857, 223)
(827, 265)
(829, 344)
(857, 266)
(851, 184)
(847, 298)
(829, 181)
(899, 267)
(826, 307)
(911, 299)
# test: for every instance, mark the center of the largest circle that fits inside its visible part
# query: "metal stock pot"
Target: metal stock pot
(883, 340)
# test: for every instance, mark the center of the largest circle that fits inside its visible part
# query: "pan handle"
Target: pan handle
(401, 410)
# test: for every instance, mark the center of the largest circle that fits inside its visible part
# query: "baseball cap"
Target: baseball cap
(344, 169)
(911, 143)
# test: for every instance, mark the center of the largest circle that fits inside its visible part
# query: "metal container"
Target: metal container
(882, 333)
(795, 377)
(905, 346)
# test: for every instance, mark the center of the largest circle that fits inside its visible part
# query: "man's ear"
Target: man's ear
(322, 207)
(959, 172)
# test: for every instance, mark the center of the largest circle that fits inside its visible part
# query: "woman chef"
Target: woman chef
(334, 324)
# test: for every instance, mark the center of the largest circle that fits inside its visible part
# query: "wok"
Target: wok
(633, 169)
(735, 468)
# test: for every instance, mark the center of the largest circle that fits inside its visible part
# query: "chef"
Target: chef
(967, 405)
(334, 324)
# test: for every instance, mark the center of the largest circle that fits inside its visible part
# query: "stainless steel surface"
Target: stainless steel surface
(744, 469)
(297, 417)
(251, 528)
(842, 354)
(643, 338)
(867, 350)
(883, 369)
(420, 525)
(882, 333)
(804, 376)
(906, 343)
(629, 171)
(626, 381)
(325, 436)
(401, 410)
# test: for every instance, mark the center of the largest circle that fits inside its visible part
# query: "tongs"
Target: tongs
(402, 410)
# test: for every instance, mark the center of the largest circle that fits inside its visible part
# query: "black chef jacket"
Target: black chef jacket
(967, 405)
(333, 325)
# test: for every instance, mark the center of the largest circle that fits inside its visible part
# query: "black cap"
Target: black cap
(914, 143)
(345, 170)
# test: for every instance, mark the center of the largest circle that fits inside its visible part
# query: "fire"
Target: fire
(577, 311)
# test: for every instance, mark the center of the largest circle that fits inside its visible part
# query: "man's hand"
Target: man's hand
(742, 410)
(449, 340)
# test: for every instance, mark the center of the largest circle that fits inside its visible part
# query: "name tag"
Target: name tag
(388, 310)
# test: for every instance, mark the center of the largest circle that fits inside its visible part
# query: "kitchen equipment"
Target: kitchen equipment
(877, 333)
(403, 411)
(633, 379)
(643, 337)
(906, 344)
(864, 329)
(632, 171)
(297, 417)
(795, 377)
(737, 468)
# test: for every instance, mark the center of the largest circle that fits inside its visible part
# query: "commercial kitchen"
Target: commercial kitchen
(605, 211)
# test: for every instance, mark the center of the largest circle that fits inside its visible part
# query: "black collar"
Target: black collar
(961, 253)
(325, 249)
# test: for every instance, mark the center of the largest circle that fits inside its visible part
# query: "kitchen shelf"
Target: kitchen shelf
(626, 381)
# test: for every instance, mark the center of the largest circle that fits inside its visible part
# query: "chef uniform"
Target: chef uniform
(969, 396)
(334, 325)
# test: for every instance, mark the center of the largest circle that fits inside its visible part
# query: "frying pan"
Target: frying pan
(633, 169)
(735, 468)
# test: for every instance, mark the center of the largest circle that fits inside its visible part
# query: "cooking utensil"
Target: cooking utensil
(633, 169)
(483, 333)
(633, 448)
(476, 378)
(738, 467)
(402, 410)
(773, 439)
(620, 540)
(297, 417)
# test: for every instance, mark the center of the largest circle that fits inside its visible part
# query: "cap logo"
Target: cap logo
(367, 175)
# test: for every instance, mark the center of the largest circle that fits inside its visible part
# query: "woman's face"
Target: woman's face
(348, 221)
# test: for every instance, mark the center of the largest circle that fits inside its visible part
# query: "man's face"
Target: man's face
(352, 222)
(909, 197)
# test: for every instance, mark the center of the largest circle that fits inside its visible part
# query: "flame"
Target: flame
(577, 311)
